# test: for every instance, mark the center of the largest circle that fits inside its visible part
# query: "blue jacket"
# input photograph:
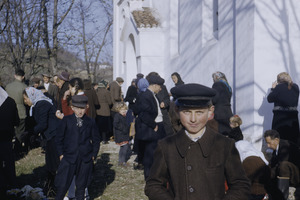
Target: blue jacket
(73, 142)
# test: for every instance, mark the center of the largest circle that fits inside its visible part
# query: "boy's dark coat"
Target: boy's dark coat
(73, 141)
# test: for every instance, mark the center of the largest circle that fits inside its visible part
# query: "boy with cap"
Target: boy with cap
(196, 162)
(78, 143)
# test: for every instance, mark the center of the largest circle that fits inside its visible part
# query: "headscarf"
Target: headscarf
(219, 76)
(179, 80)
(284, 77)
(143, 84)
(3, 95)
(35, 96)
(246, 149)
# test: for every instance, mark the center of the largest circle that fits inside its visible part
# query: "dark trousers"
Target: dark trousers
(65, 174)
(7, 165)
(124, 153)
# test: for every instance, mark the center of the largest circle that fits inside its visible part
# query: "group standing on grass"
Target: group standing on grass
(190, 146)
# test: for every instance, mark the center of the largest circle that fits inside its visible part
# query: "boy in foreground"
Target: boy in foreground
(78, 143)
(196, 162)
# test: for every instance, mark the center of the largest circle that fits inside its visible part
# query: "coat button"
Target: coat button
(191, 189)
(189, 167)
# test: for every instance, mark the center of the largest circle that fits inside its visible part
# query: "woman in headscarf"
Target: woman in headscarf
(284, 94)
(221, 102)
(43, 112)
(177, 79)
(256, 168)
(8, 119)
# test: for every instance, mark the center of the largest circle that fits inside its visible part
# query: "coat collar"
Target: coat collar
(206, 142)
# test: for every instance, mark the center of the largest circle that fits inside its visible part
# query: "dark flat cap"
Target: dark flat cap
(35, 80)
(79, 101)
(192, 95)
(154, 79)
(64, 76)
(140, 75)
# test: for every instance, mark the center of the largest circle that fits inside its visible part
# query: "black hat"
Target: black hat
(140, 75)
(154, 79)
(79, 101)
(64, 76)
(193, 95)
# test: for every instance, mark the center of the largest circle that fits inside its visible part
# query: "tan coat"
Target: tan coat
(197, 170)
(15, 90)
(105, 102)
(115, 91)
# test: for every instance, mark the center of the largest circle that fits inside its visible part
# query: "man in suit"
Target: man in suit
(284, 163)
(50, 88)
(195, 163)
(78, 143)
(149, 123)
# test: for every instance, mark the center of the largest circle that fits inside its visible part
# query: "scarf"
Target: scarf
(35, 96)
(143, 84)
(3, 95)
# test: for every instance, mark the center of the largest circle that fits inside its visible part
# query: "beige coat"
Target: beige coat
(15, 90)
(104, 99)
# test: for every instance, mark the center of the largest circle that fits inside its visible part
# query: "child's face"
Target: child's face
(195, 119)
(79, 112)
(123, 112)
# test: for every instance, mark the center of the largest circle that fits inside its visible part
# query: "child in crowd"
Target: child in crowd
(78, 144)
(121, 130)
(235, 121)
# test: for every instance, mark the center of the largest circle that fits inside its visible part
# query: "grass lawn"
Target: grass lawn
(110, 181)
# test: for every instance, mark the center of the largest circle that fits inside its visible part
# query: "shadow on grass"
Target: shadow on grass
(35, 179)
(102, 177)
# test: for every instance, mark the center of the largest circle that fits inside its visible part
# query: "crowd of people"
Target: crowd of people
(187, 141)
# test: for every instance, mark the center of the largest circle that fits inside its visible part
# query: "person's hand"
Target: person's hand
(162, 105)
(156, 128)
(59, 115)
(274, 84)
(67, 93)
(61, 157)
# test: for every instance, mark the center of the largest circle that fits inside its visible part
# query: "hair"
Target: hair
(284, 77)
(272, 134)
(179, 80)
(151, 74)
(236, 119)
(77, 83)
(120, 105)
(19, 72)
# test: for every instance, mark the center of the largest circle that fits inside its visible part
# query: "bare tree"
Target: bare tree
(57, 21)
(21, 35)
(4, 6)
(91, 31)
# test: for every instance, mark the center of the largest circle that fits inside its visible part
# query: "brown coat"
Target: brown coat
(197, 170)
(115, 91)
(105, 102)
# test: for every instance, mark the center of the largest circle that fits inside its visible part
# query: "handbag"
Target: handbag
(132, 129)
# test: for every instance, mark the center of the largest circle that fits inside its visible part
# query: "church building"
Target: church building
(251, 41)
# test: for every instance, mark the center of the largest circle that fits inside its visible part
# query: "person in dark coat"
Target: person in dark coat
(78, 143)
(195, 163)
(284, 163)
(235, 132)
(93, 99)
(164, 104)
(63, 85)
(176, 78)
(9, 118)
(43, 110)
(222, 102)
(131, 95)
(121, 130)
(149, 123)
(284, 94)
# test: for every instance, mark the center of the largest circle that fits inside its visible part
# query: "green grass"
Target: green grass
(110, 181)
